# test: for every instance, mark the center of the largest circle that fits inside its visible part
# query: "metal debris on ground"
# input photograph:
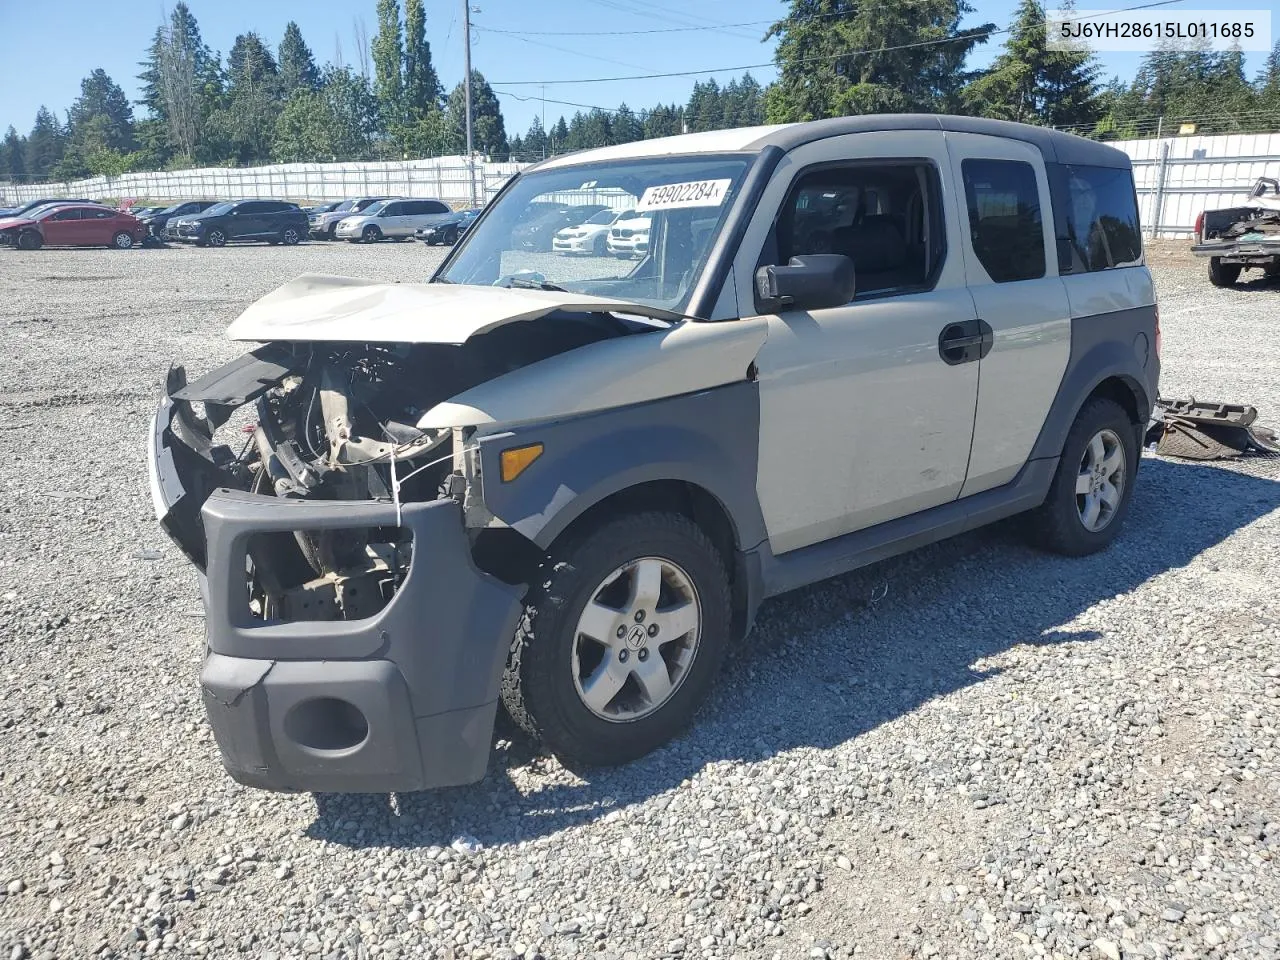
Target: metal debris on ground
(1199, 430)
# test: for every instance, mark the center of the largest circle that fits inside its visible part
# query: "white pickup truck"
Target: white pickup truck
(1237, 238)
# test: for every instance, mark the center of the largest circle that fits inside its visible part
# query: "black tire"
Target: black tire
(333, 231)
(1057, 525)
(538, 687)
(1223, 274)
(215, 238)
(122, 241)
(29, 240)
(371, 234)
(290, 236)
(451, 237)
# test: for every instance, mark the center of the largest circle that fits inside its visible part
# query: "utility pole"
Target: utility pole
(466, 39)
(544, 121)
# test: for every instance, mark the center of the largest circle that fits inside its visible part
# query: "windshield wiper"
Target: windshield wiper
(524, 284)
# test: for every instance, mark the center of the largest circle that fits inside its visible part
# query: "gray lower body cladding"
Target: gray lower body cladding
(402, 700)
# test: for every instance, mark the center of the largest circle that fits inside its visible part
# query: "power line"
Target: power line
(552, 46)
(963, 37)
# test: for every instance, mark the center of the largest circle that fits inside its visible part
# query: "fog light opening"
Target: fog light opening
(326, 724)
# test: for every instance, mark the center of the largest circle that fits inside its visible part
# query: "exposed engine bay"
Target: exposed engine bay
(340, 421)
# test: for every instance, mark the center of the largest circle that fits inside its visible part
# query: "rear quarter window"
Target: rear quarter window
(1005, 222)
(1096, 216)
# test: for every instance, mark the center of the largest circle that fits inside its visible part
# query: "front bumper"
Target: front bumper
(402, 700)
(349, 232)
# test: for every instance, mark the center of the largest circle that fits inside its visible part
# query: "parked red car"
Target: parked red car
(73, 225)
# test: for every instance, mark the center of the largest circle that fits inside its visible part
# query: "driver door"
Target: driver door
(62, 227)
(866, 413)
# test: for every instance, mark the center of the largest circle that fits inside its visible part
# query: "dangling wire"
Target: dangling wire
(397, 481)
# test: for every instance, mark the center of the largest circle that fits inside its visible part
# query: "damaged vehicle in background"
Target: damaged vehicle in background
(566, 485)
(1241, 238)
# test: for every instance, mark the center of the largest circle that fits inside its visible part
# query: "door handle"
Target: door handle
(960, 343)
(965, 342)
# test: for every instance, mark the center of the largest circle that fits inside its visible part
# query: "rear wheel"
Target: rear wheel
(1090, 493)
(122, 241)
(621, 639)
(216, 238)
(1223, 274)
(371, 234)
(290, 236)
(29, 240)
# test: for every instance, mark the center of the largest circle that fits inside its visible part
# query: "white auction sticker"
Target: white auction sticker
(1145, 30)
(674, 196)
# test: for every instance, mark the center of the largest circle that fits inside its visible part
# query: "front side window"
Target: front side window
(885, 217)
(66, 215)
(1005, 224)
(1097, 218)
(655, 256)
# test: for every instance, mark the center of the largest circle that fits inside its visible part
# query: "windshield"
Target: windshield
(375, 207)
(343, 207)
(677, 207)
(218, 209)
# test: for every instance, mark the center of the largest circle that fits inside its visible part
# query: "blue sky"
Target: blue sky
(114, 36)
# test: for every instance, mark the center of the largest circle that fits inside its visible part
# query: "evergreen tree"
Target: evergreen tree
(242, 128)
(1030, 83)
(13, 161)
(336, 122)
(421, 85)
(838, 57)
(388, 56)
(181, 80)
(488, 133)
(535, 145)
(297, 65)
(663, 121)
(626, 127)
(558, 137)
(101, 117)
(45, 145)
(706, 107)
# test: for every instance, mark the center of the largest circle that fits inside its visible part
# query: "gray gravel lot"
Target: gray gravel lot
(975, 750)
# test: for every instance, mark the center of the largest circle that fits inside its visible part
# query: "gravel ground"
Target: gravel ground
(975, 750)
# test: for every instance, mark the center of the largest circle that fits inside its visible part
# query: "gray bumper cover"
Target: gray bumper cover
(420, 678)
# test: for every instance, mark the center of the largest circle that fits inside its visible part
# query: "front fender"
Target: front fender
(709, 439)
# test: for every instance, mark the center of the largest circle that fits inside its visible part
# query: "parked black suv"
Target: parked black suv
(274, 221)
(156, 222)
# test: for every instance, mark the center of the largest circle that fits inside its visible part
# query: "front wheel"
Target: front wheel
(621, 639)
(371, 234)
(1091, 490)
(290, 236)
(29, 240)
(1223, 274)
(216, 238)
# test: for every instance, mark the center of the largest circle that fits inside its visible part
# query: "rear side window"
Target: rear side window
(103, 214)
(1096, 212)
(1004, 218)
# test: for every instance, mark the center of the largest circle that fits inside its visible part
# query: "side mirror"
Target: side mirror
(812, 282)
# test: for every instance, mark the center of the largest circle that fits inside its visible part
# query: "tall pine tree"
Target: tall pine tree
(388, 57)
(421, 85)
(839, 57)
(297, 65)
(1030, 83)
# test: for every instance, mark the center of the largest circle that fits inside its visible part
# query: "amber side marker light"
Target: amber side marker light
(516, 460)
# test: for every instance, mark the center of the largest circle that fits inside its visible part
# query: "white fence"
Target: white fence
(1176, 177)
(444, 178)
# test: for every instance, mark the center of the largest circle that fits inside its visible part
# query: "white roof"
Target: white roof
(711, 141)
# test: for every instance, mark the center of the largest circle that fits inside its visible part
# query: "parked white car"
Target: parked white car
(591, 237)
(323, 225)
(392, 220)
(629, 236)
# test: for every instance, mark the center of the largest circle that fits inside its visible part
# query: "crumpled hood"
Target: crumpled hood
(8, 223)
(315, 307)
